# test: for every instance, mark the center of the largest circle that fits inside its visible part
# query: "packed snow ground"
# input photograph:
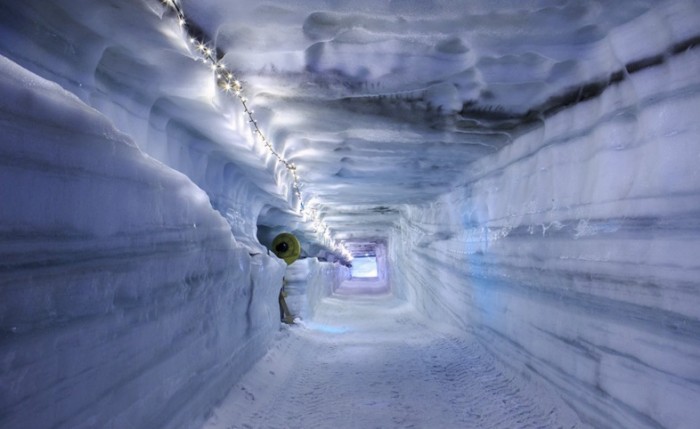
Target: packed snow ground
(368, 360)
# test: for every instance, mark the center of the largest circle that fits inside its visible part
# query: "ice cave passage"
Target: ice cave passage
(514, 184)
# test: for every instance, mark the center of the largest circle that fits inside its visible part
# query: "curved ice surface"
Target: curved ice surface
(530, 165)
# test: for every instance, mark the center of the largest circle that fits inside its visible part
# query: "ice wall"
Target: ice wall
(125, 300)
(309, 281)
(572, 253)
(569, 252)
(134, 66)
(133, 289)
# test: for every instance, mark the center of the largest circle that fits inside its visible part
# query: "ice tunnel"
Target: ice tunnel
(524, 175)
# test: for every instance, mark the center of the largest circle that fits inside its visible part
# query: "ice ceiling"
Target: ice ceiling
(386, 103)
(378, 104)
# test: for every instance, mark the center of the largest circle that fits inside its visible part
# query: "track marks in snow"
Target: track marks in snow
(372, 362)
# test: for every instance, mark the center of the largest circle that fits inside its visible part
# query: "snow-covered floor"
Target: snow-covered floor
(368, 360)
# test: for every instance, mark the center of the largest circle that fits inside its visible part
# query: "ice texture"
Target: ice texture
(308, 281)
(572, 253)
(526, 170)
(372, 361)
(131, 61)
(125, 300)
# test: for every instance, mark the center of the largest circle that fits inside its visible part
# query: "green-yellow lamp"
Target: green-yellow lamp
(286, 247)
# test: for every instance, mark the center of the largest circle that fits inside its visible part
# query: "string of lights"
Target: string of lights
(231, 85)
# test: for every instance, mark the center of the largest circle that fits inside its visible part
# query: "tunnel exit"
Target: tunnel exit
(369, 259)
(364, 267)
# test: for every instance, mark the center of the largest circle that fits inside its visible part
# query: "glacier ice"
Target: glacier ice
(525, 172)
(579, 244)
(124, 299)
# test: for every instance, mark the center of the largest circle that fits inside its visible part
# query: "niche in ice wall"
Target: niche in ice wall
(571, 254)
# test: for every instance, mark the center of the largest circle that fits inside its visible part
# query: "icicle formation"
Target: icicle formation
(228, 83)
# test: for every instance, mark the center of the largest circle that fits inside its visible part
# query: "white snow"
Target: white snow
(369, 360)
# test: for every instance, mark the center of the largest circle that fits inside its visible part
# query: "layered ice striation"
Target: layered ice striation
(131, 61)
(308, 281)
(572, 253)
(124, 299)
(527, 169)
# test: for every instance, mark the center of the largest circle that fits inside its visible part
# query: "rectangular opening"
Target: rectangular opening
(364, 267)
